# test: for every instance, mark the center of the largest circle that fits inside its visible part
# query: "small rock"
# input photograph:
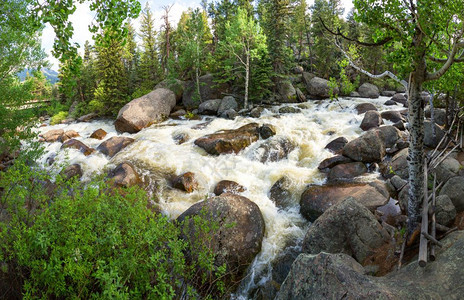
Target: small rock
(392, 115)
(124, 175)
(371, 119)
(75, 144)
(209, 107)
(280, 192)
(400, 98)
(336, 146)
(389, 103)
(289, 110)
(256, 112)
(67, 135)
(98, 134)
(445, 212)
(355, 94)
(274, 149)
(266, 131)
(228, 186)
(185, 182)
(230, 114)
(178, 114)
(180, 138)
(388, 93)
(87, 117)
(115, 144)
(364, 107)
(398, 182)
(400, 125)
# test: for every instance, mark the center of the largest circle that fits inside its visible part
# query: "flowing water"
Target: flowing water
(157, 156)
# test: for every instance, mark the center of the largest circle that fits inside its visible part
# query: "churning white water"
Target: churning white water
(156, 155)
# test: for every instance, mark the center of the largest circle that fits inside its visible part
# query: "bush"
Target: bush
(56, 119)
(65, 240)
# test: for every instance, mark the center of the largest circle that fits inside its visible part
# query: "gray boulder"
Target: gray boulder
(273, 149)
(400, 98)
(286, 91)
(454, 189)
(439, 115)
(392, 115)
(346, 171)
(364, 107)
(431, 140)
(372, 119)
(445, 212)
(319, 88)
(336, 146)
(368, 90)
(448, 168)
(388, 93)
(397, 166)
(347, 227)
(333, 161)
(230, 114)
(145, 111)
(367, 148)
(306, 78)
(227, 103)
(209, 107)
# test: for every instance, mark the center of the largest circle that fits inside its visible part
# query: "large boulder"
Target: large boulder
(145, 111)
(78, 145)
(400, 98)
(306, 78)
(235, 242)
(319, 88)
(431, 140)
(454, 189)
(286, 91)
(124, 175)
(339, 276)
(115, 144)
(372, 119)
(390, 135)
(209, 107)
(367, 148)
(348, 227)
(229, 141)
(227, 103)
(336, 146)
(273, 149)
(447, 169)
(445, 212)
(439, 115)
(365, 107)
(392, 115)
(346, 171)
(228, 186)
(175, 85)
(209, 89)
(52, 136)
(368, 90)
(397, 166)
(315, 200)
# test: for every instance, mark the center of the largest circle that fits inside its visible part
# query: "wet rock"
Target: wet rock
(306, 78)
(289, 110)
(98, 134)
(300, 95)
(339, 276)
(115, 144)
(274, 149)
(266, 131)
(228, 186)
(388, 93)
(368, 90)
(280, 192)
(367, 148)
(227, 103)
(78, 145)
(142, 112)
(229, 141)
(180, 138)
(371, 119)
(400, 98)
(52, 136)
(185, 182)
(319, 88)
(256, 112)
(175, 85)
(237, 240)
(439, 115)
(286, 91)
(365, 107)
(347, 227)
(346, 171)
(124, 175)
(431, 140)
(209, 107)
(87, 117)
(454, 189)
(445, 212)
(67, 135)
(315, 200)
(447, 169)
(390, 135)
(397, 166)
(71, 171)
(355, 94)
(331, 162)
(336, 146)
(178, 114)
(389, 103)
(392, 115)
(209, 89)
(229, 114)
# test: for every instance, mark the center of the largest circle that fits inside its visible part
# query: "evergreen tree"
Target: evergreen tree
(88, 73)
(149, 64)
(131, 59)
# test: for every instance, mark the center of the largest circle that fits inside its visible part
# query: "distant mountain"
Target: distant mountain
(51, 75)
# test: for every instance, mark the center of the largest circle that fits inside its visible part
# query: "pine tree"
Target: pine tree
(88, 73)
(149, 64)
(131, 59)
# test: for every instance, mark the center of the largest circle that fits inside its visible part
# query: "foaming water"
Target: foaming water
(156, 156)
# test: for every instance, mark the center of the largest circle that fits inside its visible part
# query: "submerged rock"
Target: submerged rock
(237, 240)
(273, 149)
(145, 111)
(115, 144)
(78, 145)
(229, 141)
(228, 186)
(186, 182)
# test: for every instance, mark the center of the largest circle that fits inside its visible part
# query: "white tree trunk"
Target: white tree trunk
(247, 79)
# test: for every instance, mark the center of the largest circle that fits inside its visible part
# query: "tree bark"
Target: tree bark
(247, 78)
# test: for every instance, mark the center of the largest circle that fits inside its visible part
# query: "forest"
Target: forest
(253, 91)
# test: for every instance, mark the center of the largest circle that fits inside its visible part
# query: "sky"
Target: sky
(83, 17)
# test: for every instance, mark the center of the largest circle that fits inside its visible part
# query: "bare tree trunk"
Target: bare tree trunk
(247, 79)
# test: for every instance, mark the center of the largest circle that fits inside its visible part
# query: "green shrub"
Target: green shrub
(66, 240)
(56, 119)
